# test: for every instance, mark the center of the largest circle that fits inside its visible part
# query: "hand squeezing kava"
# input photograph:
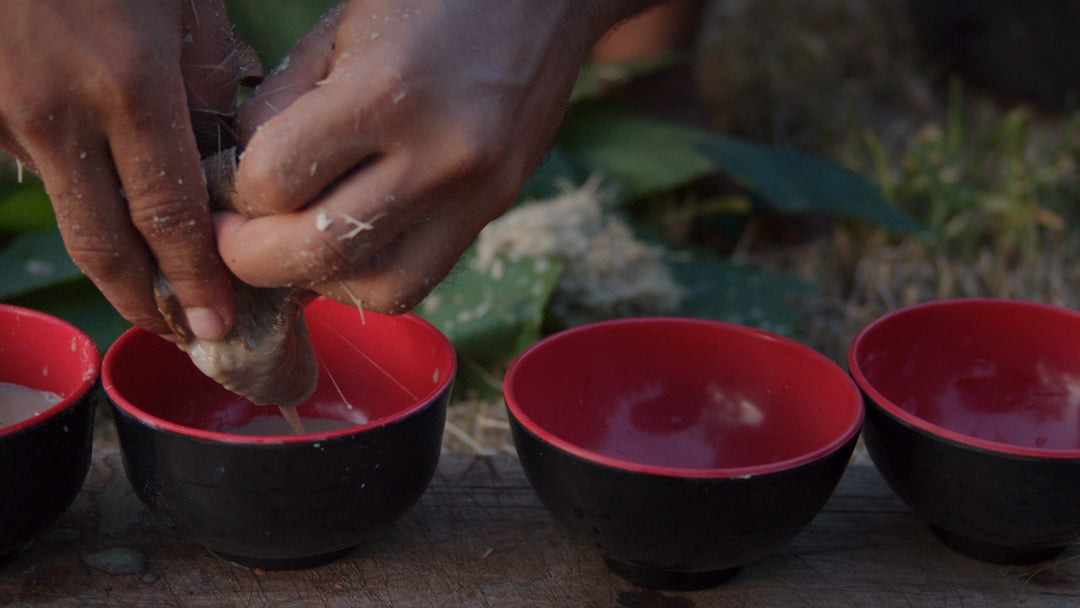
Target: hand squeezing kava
(267, 357)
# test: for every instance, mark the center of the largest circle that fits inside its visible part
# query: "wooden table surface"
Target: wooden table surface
(479, 537)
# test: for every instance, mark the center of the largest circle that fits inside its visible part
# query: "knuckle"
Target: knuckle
(472, 152)
(166, 216)
(35, 119)
(128, 79)
(263, 186)
(98, 258)
(270, 180)
(338, 254)
(132, 92)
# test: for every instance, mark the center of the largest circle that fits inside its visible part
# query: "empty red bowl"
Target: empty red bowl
(973, 419)
(45, 457)
(286, 501)
(681, 448)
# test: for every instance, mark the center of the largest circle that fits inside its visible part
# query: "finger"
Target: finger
(307, 63)
(312, 130)
(158, 164)
(328, 240)
(100, 238)
(299, 153)
(400, 275)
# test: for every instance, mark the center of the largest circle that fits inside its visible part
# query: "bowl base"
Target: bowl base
(995, 554)
(668, 580)
(285, 563)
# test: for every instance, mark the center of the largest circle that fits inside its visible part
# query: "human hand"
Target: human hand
(94, 98)
(392, 133)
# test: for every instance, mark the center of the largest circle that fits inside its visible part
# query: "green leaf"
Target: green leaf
(648, 157)
(793, 182)
(25, 208)
(644, 156)
(720, 290)
(492, 314)
(80, 303)
(35, 260)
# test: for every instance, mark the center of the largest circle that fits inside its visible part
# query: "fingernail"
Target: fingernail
(205, 324)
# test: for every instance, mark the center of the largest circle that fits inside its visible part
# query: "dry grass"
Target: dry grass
(827, 77)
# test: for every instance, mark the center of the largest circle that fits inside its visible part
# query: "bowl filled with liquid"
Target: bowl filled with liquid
(239, 479)
(682, 449)
(973, 419)
(48, 375)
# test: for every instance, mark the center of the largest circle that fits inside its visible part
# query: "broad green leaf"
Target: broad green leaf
(647, 157)
(644, 156)
(717, 289)
(80, 303)
(35, 260)
(25, 208)
(793, 182)
(493, 313)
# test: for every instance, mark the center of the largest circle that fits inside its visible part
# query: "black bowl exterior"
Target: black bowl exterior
(989, 505)
(283, 505)
(679, 525)
(44, 467)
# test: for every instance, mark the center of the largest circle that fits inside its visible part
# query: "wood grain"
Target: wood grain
(480, 537)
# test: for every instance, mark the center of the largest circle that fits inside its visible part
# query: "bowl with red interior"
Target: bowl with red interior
(973, 419)
(681, 449)
(48, 390)
(236, 478)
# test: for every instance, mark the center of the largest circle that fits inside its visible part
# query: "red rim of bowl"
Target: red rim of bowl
(139, 414)
(929, 427)
(81, 343)
(684, 472)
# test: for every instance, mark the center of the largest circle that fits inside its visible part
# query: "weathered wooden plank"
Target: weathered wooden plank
(479, 537)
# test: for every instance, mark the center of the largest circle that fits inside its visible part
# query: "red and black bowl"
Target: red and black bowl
(973, 419)
(280, 500)
(44, 458)
(682, 449)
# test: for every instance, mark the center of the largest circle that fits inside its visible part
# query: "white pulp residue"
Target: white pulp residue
(608, 272)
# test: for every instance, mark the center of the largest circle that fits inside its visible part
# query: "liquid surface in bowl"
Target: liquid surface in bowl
(999, 371)
(1032, 403)
(683, 394)
(726, 428)
(370, 371)
(17, 402)
(1037, 407)
(276, 425)
(238, 416)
